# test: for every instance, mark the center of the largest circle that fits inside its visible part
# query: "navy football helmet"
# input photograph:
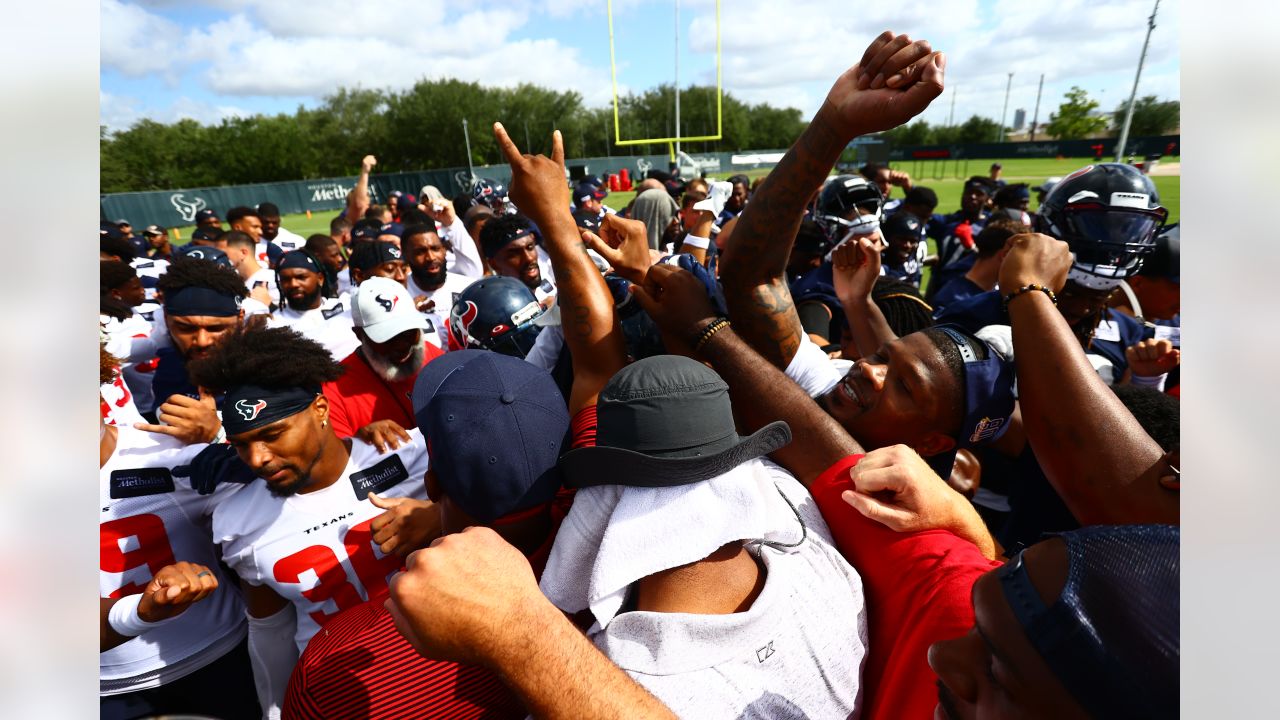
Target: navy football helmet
(496, 313)
(491, 193)
(1110, 215)
(848, 206)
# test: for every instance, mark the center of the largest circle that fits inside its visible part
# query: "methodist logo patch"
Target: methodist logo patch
(248, 410)
(378, 478)
(140, 481)
(332, 312)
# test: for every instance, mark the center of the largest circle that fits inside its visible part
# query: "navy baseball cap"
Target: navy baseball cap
(366, 229)
(206, 214)
(902, 223)
(393, 228)
(586, 191)
(496, 425)
(206, 234)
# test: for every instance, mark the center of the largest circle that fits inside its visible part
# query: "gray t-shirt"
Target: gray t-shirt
(796, 653)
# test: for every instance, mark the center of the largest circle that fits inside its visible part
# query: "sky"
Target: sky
(212, 59)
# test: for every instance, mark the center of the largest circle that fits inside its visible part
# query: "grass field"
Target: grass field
(945, 177)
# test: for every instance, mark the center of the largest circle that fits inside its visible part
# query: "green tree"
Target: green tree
(1074, 119)
(1150, 116)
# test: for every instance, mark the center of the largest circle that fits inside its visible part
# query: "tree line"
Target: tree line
(421, 128)
(1075, 118)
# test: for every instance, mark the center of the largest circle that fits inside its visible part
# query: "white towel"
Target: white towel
(616, 535)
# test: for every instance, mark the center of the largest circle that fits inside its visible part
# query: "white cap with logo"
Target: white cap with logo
(383, 308)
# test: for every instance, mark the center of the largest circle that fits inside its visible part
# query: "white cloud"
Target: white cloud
(786, 54)
(136, 42)
(120, 112)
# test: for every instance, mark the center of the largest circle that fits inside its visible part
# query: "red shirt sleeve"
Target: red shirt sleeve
(918, 588)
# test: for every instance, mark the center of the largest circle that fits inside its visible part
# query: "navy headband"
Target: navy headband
(195, 300)
(298, 259)
(988, 389)
(249, 407)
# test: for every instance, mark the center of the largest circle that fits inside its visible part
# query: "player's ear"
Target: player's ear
(933, 443)
(320, 406)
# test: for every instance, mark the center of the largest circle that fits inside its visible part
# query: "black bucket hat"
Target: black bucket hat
(666, 421)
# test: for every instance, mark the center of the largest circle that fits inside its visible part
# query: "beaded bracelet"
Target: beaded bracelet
(1026, 289)
(716, 326)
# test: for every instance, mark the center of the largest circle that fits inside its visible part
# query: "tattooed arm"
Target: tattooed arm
(586, 308)
(895, 80)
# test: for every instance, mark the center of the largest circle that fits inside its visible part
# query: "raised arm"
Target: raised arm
(761, 393)
(1093, 451)
(586, 306)
(895, 80)
(855, 268)
(358, 200)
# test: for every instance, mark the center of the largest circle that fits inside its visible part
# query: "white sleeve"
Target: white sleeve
(811, 369)
(546, 348)
(466, 254)
(273, 654)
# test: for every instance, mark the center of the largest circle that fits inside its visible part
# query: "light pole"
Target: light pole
(1005, 109)
(951, 118)
(1036, 117)
(677, 78)
(1128, 115)
(466, 137)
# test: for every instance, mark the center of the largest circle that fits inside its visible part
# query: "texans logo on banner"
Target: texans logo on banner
(386, 304)
(187, 208)
(250, 411)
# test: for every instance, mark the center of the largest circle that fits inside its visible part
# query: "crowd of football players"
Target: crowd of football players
(717, 453)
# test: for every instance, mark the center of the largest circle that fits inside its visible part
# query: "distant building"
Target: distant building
(1019, 119)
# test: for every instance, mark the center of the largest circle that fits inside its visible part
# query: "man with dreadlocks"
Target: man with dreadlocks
(900, 303)
(307, 540)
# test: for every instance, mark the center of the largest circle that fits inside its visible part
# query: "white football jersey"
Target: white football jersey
(330, 325)
(151, 518)
(265, 277)
(149, 268)
(316, 549)
(444, 297)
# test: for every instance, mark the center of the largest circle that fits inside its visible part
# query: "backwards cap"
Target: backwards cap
(1111, 638)
(988, 388)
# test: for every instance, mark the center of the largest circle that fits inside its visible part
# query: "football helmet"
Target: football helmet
(496, 313)
(490, 192)
(1109, 214)
(849, 206)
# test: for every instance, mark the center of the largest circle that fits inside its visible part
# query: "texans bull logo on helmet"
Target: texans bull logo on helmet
(468, 316)
(250, 411)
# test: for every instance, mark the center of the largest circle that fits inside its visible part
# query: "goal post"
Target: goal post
(670, 141)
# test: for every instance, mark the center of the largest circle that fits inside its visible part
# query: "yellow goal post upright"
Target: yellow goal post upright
(670, 141)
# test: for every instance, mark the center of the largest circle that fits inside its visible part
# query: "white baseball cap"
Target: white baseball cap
(383, 308)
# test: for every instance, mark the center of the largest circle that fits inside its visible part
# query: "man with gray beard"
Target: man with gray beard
(371, 398)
